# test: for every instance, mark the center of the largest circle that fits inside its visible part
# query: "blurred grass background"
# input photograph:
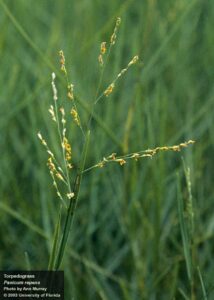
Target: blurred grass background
(126, 240)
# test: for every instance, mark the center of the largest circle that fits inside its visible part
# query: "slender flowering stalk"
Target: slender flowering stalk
(61, 134)
(55, 168)
(55, 172)
(111, 87)
(52, 156)
(102, 52)
(70, 91)
(52, 113)
(54, 87)
(114, 35)
(149, 153)
(104, 49)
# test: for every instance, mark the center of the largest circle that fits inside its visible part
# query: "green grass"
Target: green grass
(133, 236)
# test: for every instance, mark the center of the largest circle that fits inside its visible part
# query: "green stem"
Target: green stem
(72, 205)
(55, 242)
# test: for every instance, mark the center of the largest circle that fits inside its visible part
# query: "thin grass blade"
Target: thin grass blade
(184, 232)
(55, 242)
(202, 285)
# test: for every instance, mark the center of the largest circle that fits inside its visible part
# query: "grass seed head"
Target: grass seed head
(51, 165)
(67, 147)
(54, 87)
(52, 113)
(43, 141)
(70, 195)
(112, 156)
(75, 116)
(100, 164)
(102, 52)
(70, 93)
(135, 156)
(62, 62)
(133, 61)
(63, 120)
(121, 161)
(103, 48)
(59, 176)
(109, 89)
(114, 35)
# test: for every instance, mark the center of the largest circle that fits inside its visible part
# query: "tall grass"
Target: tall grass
(126, 240)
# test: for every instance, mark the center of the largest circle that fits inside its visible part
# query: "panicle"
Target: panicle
(133, 61)
(102, 53)
(54, 173)
(109, 89)
(135, 156)
(112, 156)
(100, 164)
(50, 153)
(67, 147)
(70, 92)
(75, 116)
(51, 165)
(62, 110)
(114, 35)
(53, 170)
(52, 113)
(62, 62)
(59, 176)
(43, 141)
(121, 161)
(54, 87)
(149, 153)
(103, 48)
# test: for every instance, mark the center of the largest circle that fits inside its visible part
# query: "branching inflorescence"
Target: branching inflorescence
(66, 182)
